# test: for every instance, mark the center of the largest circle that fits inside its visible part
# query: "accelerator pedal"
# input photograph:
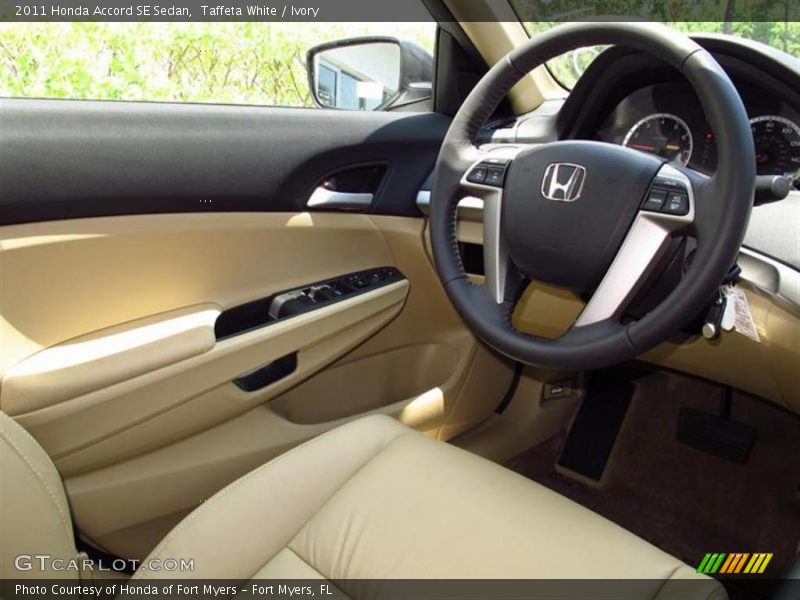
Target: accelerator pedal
(716, 434)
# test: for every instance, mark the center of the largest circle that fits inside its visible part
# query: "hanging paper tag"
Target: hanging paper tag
(742, 317)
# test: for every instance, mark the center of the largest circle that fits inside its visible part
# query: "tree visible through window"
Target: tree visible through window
(226, 63)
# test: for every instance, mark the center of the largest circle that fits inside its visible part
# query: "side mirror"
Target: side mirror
(369, 73)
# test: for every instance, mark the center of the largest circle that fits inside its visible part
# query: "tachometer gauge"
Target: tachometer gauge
(777, 142)
(662, 134)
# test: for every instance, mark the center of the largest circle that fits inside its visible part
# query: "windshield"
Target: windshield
(568, 67)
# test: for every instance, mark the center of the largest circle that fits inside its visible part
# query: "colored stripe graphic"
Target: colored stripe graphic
(718, 563)
(767, 558)
(755, 561)
(711, 563)
(730, 564)
(702, 567)
(758, 563)
(727, 564)
(740, 564)
(734, 563)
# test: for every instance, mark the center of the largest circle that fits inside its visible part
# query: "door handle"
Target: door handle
(330, 199)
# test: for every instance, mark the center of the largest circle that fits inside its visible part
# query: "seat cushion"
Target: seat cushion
(374, 499)
(34, 514)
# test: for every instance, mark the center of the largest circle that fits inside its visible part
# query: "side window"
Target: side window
(358, 66)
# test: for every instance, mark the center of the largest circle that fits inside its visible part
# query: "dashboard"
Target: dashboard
(666, 119)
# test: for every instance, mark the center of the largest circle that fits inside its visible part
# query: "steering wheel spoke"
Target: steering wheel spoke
(668, 208)
(484, 180)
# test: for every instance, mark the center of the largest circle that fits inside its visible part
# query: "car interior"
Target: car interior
(455, 322)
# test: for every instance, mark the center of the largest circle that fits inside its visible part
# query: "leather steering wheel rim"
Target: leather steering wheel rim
(720, 215)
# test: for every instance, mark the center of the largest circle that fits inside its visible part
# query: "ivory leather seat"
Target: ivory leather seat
(371, 499)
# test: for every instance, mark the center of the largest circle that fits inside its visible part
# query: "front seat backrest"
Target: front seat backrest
(34, 514)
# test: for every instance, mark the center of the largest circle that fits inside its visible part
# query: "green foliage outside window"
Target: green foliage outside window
(226, 63)
(232, 63)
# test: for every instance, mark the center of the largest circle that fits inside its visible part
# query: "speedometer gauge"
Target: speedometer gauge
(662, 134)
(777, 142)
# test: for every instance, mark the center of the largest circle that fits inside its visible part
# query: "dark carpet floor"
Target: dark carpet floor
(685, 501)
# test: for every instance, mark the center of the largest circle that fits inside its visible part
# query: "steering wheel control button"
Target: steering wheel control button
(495, 176)
(496, 162)
(667, 195)
(491, 172)
(669, 183)
(655, 201)
(677, 204)
(478, 174)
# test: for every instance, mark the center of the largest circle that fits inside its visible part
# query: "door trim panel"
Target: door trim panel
(128, 487)
(81, 423)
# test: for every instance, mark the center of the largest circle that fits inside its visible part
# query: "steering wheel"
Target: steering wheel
(590, 216)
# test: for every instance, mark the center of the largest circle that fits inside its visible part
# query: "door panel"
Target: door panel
(65, 279)
(459, 392)
(116, 345)
(127, 267)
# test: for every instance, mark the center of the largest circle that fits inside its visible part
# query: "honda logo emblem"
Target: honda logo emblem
(563, 182)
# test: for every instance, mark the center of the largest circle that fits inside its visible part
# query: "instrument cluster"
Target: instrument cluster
(667, 120)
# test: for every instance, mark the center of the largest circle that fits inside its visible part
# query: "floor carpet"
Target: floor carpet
(682, 500)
